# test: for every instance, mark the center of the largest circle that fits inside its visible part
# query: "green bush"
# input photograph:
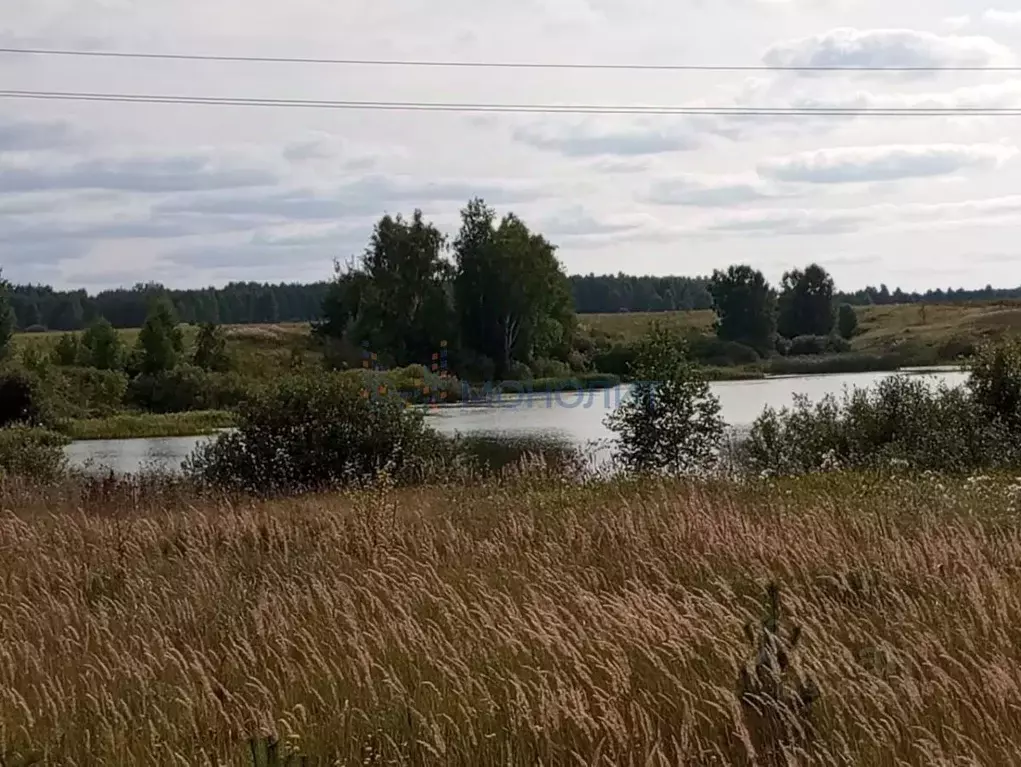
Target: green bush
(901, 421)
(843, 363)
(306, 433)
(21, 398)
(995, 381)
(186, 388)
(617, 360)
(32, 453)
(547, 368)
(810, 346)
(77, 392)
(710, 350)
(669, 423)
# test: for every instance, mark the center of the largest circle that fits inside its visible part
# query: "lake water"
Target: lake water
(571, 416)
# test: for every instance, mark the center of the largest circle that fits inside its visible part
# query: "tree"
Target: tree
(6, 317)
(512, 296)
(847, 321)
(745, 307)
(160, 342)
(211, 349)
(395, 299)
(670, 421)
(806, 303)
(68, 350)
(101, 346)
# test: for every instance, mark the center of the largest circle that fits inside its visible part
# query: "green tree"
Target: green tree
(513, 298)
(806, 303)
(396, 298)
(745, 307)
(847, 321)
(68, 350)
(670, 421)
(211, 349)
(7, 321)
(160, 341)
(101, 346)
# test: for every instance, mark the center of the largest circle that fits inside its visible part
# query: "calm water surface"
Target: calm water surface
(571, 416)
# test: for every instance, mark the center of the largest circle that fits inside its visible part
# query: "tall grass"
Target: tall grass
(142, 425)
(509, 624)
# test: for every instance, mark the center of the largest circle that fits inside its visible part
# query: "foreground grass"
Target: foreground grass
(148, 425)
(514, 624)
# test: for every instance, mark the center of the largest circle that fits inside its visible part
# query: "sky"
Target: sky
(100, 195)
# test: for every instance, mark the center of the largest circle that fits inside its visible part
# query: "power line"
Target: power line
(450, 64)
(596, 109)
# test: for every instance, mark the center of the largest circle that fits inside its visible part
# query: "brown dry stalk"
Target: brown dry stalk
(517, 624)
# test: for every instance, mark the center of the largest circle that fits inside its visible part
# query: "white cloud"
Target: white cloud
(711, 191)
(1005, 18)
(864, 164)
(850, 47)
(607, 137)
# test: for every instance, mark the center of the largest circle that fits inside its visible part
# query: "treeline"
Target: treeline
(38, 307)
(882, 296)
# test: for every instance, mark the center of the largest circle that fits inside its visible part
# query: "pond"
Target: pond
(569, 416)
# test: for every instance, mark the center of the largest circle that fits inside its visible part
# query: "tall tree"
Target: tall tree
(160, 341)
(745, 307)
(847, 321)
(6, 317)
(512, 295)
(806, 303)
(396, 298)
(101, 346)
(211, 349)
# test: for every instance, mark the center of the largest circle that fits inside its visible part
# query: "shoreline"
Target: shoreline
(126, 426)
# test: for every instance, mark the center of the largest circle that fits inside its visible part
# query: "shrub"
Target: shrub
(710, 350)
(186, 388)
(160, 341)
(847, 321)
(995, 381)
(901, 421)
(669, 422)
(617, 360)
(306, 433)
(547, 368)
(519, 371)
(32, 453)
(77, 392)
(810, 346)
(21, 398)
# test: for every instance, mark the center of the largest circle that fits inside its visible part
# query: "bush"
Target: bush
(995, 381)
(307, 433)
(21, 398)
(31, 453)
(616, 360)
(810, 346)
(77, 392)
(68, 350)
(547, 368)
(669, 422)
(710, 350)
(847, 321)
(519, 371)
(186, 388)
(902, 420)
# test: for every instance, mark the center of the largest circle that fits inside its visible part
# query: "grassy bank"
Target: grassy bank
(509, 624)
(148, 425)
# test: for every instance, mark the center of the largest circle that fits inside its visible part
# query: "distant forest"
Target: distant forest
(240, 303)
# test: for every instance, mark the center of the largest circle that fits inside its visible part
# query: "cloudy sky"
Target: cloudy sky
(102, 194)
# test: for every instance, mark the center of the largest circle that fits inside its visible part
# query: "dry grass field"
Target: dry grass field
(522, 623)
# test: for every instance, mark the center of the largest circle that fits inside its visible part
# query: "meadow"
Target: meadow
(515, 622)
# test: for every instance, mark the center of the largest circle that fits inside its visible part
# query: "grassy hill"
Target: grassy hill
(881, 328)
